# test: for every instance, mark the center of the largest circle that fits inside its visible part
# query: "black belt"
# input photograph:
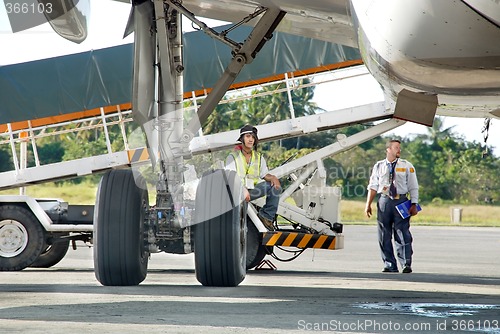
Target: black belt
(398, 196)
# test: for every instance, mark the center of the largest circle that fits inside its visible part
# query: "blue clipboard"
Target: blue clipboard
(404, 209)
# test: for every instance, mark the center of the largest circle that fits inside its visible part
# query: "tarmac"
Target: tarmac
(455, 287)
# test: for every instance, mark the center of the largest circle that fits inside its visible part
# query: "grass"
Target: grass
(83, 193)
(431, 214)
(352, 211)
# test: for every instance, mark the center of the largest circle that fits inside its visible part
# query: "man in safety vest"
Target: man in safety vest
(251, 168)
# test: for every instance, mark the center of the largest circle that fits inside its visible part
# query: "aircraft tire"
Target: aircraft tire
(255, 250)
(120, 245)
(21, 238)
(220, 235)
(52, 254)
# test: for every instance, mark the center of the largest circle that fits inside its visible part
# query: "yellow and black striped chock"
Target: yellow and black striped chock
(300, 240)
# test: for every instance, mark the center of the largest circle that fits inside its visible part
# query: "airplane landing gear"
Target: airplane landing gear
(221, 231)
(120, 246)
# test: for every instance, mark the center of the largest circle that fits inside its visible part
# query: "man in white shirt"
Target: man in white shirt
(251, 167)
(393, 178)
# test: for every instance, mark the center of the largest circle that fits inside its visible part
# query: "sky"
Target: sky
(345, 93)
(107, 23)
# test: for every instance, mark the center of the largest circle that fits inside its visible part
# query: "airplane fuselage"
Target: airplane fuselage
(437, 47)
(448, 48)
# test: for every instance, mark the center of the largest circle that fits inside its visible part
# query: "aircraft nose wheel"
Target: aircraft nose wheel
(120, 247)
(221, 231)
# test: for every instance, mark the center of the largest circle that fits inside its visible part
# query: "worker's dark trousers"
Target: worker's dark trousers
(389, 222)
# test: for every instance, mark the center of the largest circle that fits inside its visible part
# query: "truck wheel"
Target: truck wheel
(220, 233)
(255, 250)
(53, 253)
(120, 245)
(21, 238)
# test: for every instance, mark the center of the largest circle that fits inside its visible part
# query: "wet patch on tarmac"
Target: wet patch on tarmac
(433, 310)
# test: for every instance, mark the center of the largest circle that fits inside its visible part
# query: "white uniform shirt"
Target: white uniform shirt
(406, 178)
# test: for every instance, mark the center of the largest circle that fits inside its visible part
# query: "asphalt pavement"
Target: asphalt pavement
(455, 288)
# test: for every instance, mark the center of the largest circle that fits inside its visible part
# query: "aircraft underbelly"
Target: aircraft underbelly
(437, 47)
(326, 20)
(442, 75)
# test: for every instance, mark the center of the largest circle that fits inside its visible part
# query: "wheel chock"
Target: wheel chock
(262, 265)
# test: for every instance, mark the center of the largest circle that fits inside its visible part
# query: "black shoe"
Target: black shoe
(389, 270)
(407, 270)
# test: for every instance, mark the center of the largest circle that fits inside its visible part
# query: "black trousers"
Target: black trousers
(391, 223)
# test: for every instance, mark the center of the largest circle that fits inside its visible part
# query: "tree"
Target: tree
(276, 107)
(420, 154)
(438, 133)
(352, 168)
(464, 173)
(225, 117)
(51, 152)
(5, 161)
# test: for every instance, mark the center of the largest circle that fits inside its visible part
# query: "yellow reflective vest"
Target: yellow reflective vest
(247, 170)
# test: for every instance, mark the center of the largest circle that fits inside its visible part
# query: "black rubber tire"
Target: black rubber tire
(53, 253)
(23, 228)
(220, 231)
(255, 250)
(120, 249)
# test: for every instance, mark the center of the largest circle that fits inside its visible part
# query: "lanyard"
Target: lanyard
(249, 164)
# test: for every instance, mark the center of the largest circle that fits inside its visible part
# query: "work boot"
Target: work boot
(407, 270)
(267, 223)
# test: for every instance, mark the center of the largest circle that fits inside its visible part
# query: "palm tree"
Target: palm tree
(437, 132)
(226, 116)
(276, 107)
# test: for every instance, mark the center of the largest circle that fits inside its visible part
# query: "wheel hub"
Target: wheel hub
(13, 238)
